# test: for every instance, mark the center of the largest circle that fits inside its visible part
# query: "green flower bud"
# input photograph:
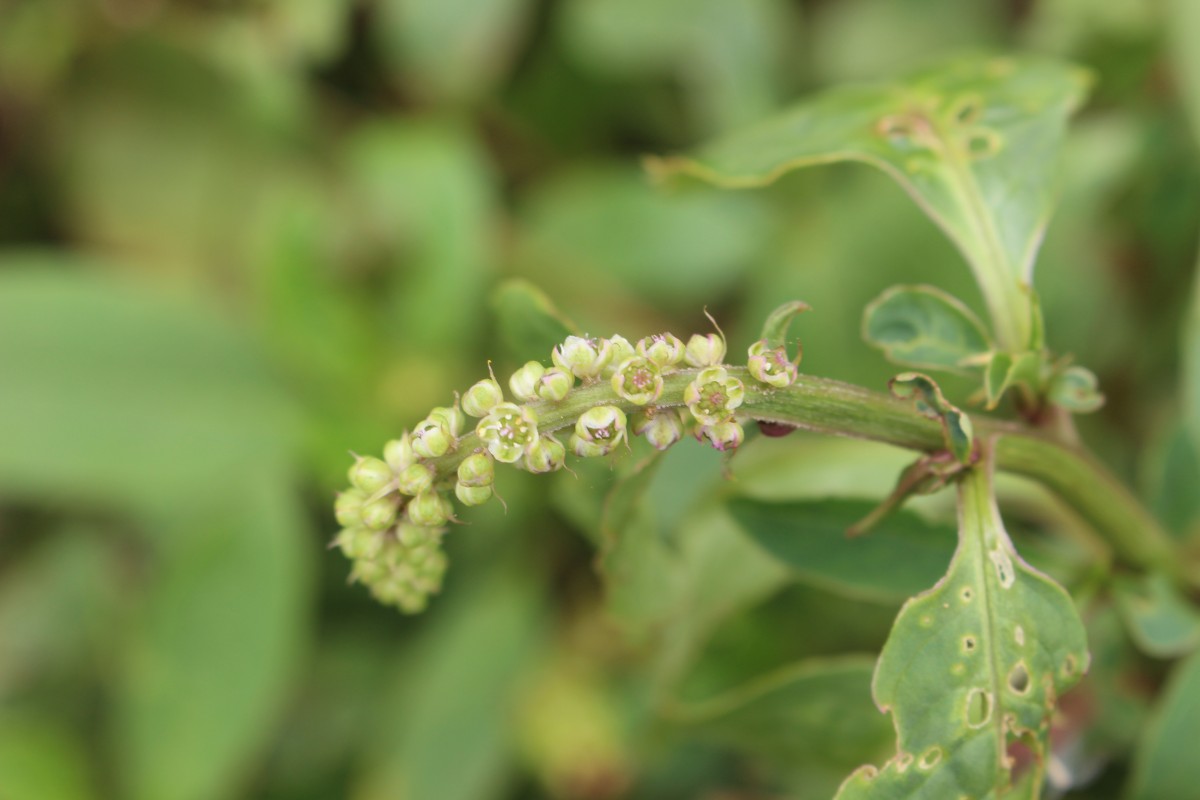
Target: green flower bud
(725, 435)
(662, 428)
(555, 384)
(452, 417)
(705, 351)
(358, 542)
(547, 455)
(410, 536)
(430, 509)
(398, 453)
(585, 449)
(664, 349)
(638, 380)
(472, 495)
(603, 426)
(713, 395)
(482, 398)
(432, 438)
(524, 382)
(771, 365)
(584, 358)
(367, 570)
(508, 431)
(370, 474)
(416, 479)
(477, 469)
(348, 506)
(380, 513)
(620, 351)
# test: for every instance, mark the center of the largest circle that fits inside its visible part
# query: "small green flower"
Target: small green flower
(620, 351)
(555, 384)
(380, 513)
(370, 474)
(481, 398)
(547, 455)
(705, 350)
(472, 495)
(398, 453)
(415, 479)
(524, 382)
(477, 469)
(771, 365)
(430, 509)
(725, 435)
(432, 438)
(602, 427)
(638, 380)
(713, 395)
(662, 427)
(664, 349)
(348, 507)
(508, 431)
(583, 357)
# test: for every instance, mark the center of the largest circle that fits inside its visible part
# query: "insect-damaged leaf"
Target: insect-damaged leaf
(973, 666)
(924, 327)
(929, 400)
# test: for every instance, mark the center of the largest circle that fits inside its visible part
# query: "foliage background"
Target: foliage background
(238, 239)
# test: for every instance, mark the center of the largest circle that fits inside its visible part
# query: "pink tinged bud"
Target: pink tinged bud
(380, 513)
(472, 495)
(713, 395)
(662, 428)
(638, 380)
(705, 350)
(770, 365)
(620, 351)
(482, 398)
(555, 384)
(603, 426)
(582, 357)
(664, 349)
(370, 474)
(508, 431)
(524, 382)
(724, 436)
(398, 453)
(416, 479)
(477, 469)
(348, 506)
(547, 455)
(429, 509)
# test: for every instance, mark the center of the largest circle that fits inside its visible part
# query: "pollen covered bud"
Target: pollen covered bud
(706, 350)
(599, 430)
(524, 382)
(638, 380)
(415, 479)
(429, 510)
(662, 427)
(621, 351)
(724, 436)
(664, 349)
(771, 365)
(482, 398)
(370, 474)
(555, 384)
(582, 357)
(547, 455)
(398, 453)
(508, 431)
(432, 438)
(713, 395)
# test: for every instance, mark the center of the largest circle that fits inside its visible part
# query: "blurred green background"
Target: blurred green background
(238, 239)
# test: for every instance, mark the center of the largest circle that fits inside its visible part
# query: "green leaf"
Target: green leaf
(973, 665)
(41, 761)
(1161, 621)
(1165, 766)
(530, 324)
(1075, 389)
(974, 141)
(899, 558)
(928, 398)
(1006, 370)
(774, 331)
(925, 328)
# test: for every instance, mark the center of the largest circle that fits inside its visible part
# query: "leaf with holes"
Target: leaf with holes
(974, 141)
(924, 327)
(973, 668)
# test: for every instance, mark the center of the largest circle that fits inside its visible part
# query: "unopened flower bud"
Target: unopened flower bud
(370, 474)
(620, 350)
(472, 495)
(477, 469)
(348, 506)
(638, 380)
(547, 455)
(664, 349)
(379, 513)
(453, 418)
(357, 542)
(585, 449)
(603, 426)
(524, 382)
(706, 350)
(713, 395)
(662, 429)
(430, 509)
(432, 438)
(508, 431)
(410, 535)
(555, 384)
(771, 365)
(398, 453)
(725, 435)
(482, 398)
(415, 479)
(584, 358)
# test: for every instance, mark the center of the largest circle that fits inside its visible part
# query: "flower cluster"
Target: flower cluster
(395, 513)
